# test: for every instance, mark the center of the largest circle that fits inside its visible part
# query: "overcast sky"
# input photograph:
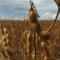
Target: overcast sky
(16, 9)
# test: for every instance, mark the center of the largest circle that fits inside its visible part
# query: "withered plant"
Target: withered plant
(6, 44)
(35, 26)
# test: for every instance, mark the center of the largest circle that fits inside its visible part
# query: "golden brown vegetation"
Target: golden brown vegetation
(27, 41)
(6, 44)
(54, 41)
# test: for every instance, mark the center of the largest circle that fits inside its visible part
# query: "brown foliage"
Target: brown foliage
(54, 50)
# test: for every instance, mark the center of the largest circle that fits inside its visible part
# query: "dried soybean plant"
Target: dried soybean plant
(26, 40)
(27, 50)
(6, 44)
(23, 48)
(30, 45)
(44, 34)
(1, 49)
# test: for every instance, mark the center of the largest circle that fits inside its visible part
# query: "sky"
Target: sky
(17, 9)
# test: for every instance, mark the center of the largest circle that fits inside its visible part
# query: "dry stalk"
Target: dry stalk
(37, 40)
(57, 2)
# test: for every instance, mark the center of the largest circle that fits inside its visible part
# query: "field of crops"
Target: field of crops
(20, 26)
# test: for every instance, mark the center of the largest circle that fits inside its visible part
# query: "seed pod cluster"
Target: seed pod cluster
(6, 40)
(32, 16)
(6, 44)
